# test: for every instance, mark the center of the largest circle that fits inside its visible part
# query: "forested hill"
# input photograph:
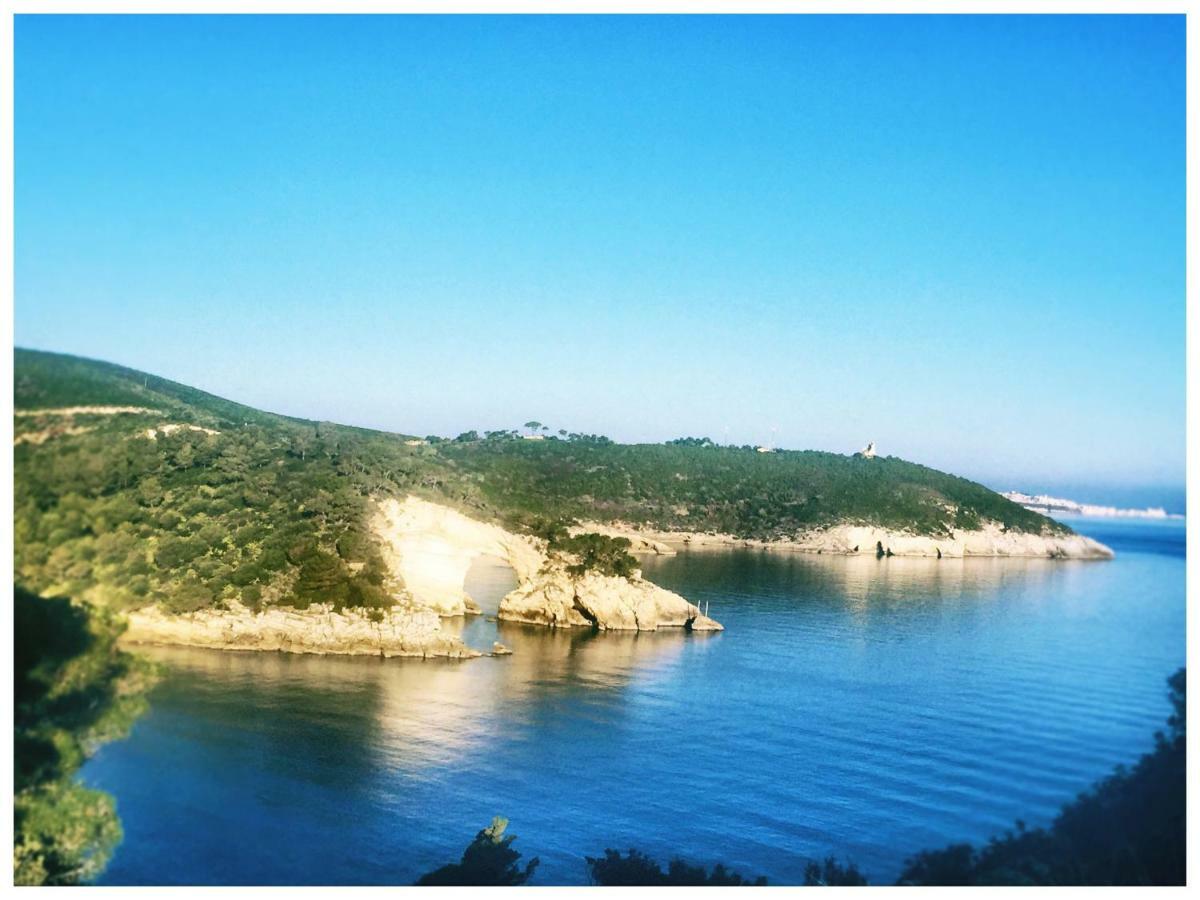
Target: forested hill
(130, 488)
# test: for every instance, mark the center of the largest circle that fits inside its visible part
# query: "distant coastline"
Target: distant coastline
(1044, 503)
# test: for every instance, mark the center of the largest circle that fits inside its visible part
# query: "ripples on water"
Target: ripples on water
(866, 708)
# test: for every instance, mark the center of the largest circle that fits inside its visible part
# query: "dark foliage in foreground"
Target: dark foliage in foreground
(488, 860)
(1128, 829)
(73, 690)
(636, 868)
(832, 873)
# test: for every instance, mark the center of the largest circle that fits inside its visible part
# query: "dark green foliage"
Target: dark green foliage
(192, 519)
(831, 873)
(597, 553)
(173, 552)
(73, 690)
(1128, 829)
(686, 486)
(322, 579)
(488, 860)
(637, 869)
(47, 380)
(354, 546)
(553, 533)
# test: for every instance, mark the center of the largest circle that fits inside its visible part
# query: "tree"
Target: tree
(74, 689)
(534, 426)
(638, 869)
(831, 873)
(595, 553)
(488, 860)
(1129, 828)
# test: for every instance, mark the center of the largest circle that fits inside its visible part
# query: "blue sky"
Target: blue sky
(961, 237)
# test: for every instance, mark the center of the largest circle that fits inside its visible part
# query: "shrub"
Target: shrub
(488, 860)
(598, 553)
(637, 869)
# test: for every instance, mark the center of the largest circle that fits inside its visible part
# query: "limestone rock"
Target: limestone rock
(558, 599)
(319, 629)
(989, 540)
(430, 548)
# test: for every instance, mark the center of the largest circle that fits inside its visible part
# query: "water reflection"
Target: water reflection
(854, 706)
(413, 713)
(436, 712)
(854, 580)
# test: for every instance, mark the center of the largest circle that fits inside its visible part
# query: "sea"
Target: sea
(860, 708)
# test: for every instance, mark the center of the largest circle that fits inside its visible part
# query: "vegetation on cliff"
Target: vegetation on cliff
(151, 491)
(73, 690)
(729, 490)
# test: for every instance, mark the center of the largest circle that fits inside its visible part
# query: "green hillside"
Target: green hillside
(273, 510)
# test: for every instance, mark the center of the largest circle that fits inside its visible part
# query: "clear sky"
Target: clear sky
(961, 237)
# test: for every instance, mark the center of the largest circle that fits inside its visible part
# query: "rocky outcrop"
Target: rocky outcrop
(318, 629)
(560, 600)
(430, 548)
(169, 428)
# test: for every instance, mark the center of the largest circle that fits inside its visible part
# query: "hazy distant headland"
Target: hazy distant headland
(1058, 505)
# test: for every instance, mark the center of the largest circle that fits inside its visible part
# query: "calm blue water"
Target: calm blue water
(866, 708)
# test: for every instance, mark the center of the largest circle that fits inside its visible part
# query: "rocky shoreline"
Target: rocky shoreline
(429, 548)
(319, 630)
(850, 540)
(609, 604)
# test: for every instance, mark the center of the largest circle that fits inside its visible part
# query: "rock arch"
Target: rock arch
(431, 548)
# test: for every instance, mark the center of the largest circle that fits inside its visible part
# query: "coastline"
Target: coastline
(992, 541)
(429, 549)
(320, 630)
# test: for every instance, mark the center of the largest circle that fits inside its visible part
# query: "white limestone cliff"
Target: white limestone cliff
(429, 549)
(557, 599)
(319, 629)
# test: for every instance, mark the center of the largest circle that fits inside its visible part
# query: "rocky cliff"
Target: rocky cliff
(555, 598)
(401, 631)
(429, 549)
